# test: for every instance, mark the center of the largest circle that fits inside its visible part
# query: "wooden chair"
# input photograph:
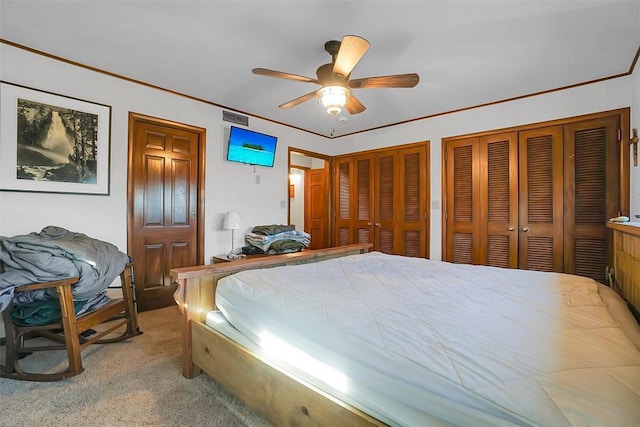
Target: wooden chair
(67, 333)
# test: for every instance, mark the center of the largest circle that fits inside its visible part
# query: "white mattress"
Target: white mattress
(418, 342)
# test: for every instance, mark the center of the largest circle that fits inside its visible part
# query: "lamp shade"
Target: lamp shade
(232, 221)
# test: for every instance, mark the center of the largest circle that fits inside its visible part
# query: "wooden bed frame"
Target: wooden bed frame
(280, 398)
(285, 400)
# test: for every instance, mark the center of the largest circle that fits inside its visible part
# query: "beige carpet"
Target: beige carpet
(134, 383)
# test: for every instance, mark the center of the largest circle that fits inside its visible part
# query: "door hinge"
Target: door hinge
(619, 135)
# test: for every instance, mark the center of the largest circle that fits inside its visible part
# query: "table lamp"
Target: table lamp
(232, 222)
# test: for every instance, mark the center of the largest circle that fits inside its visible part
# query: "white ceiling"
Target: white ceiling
(467, 53)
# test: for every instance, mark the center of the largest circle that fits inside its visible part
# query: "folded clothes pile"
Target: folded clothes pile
(277, 239)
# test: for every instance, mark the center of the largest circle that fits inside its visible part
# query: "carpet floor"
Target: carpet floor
(133, 383)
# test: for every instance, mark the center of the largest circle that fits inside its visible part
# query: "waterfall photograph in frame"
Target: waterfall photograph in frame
(52, 143)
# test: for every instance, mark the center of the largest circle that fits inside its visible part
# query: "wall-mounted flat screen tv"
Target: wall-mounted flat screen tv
(250, 147)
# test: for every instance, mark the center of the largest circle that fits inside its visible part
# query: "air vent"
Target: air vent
(228, 116)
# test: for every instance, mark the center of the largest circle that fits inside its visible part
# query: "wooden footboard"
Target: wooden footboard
(260, 386)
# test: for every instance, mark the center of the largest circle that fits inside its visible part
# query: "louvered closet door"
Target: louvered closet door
(463, 227)
(343, 183)
(591, 194)
(363, 198)
(541, 199)
(498, 200)
(381, 198)
(385, 213)
(411, 228)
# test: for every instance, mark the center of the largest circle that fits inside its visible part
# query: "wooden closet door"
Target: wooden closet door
(498, 200)
(354, 189)
(591, 194)
(413, 195)
(382, 198)
(541, 199)
(463, 226)
(386, 211)
(401, 197)
(564, 179)
(363, 218)
(343, 184)
(482, 200)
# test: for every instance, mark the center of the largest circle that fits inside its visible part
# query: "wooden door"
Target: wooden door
(386, 211)
(482, 200)
(343, 185)
(165, 173)
(498, 200)
(382, 198)
(462, 201)
(411, 230)
(363, 197)
(354, 183)
(316, 206)
(541, 199)
(591, 187)
(564, 180)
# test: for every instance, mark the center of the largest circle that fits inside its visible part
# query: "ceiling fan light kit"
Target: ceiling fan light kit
(334, 98)
(336, 91)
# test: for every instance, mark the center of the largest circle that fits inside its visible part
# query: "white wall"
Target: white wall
(232, 186)
(229, 186)
(607, 95)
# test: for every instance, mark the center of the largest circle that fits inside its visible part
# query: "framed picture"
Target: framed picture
(52, 143)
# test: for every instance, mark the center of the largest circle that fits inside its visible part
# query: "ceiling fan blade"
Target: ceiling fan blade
(398, 80)
(281, 75)
(299, 100)
(352, 49)
(354, 106)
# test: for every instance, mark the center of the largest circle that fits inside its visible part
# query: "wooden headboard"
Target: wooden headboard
(626, 263)
(197, 286)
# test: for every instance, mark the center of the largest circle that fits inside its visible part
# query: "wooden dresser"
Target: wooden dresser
(626, 260)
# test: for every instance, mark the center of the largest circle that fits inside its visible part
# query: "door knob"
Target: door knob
(525, 229)
(369, 224)
(377, 224)
(511, 228)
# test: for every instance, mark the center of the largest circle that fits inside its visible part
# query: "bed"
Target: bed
(344, 336)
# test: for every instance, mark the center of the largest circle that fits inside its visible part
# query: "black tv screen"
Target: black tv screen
(250, 147)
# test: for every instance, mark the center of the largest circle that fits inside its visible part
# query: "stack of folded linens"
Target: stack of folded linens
(277, 239)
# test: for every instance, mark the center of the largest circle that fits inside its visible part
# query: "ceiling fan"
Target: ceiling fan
(334, 77)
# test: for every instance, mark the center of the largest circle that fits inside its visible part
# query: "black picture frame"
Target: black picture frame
(51, 143)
